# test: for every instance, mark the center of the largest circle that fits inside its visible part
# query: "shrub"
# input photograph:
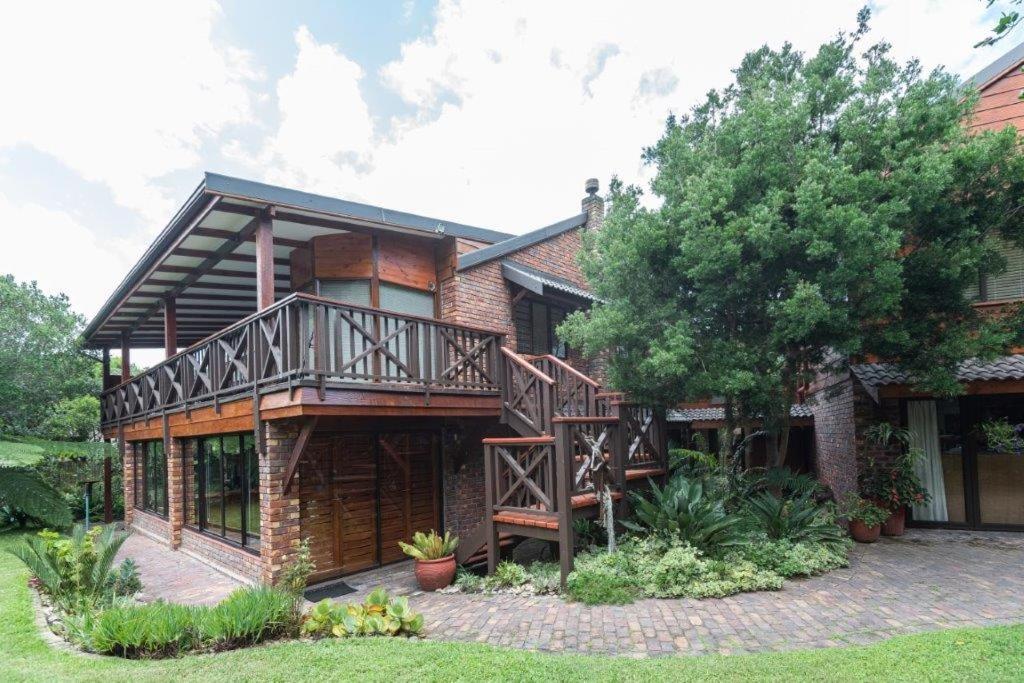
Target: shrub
(160, 629)
(430, 546)
(125, 582)
(377, 615)
(602, 579)
(296, 574)
(682, 512)
(468, 582)
(683, 571)
(545, 577)
(792, 519)
(856, 509)
(797, 559)
(507, 575)
(74, 571)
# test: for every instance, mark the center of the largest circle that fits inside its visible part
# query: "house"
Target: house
(350, 374)
(975, 483)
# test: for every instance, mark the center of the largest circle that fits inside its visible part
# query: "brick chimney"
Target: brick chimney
(593, 205)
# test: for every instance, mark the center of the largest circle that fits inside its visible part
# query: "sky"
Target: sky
(491, 114)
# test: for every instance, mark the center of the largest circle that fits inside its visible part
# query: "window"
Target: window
(150, 476)
(1008, 284)
(226, 482)
(355, 292)
(406, 300)
(536, 323)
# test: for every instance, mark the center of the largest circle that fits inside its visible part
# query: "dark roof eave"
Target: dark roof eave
(514, 244)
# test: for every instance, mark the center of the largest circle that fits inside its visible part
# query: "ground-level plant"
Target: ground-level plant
(378, 615)
(435, 558)
(864, 516)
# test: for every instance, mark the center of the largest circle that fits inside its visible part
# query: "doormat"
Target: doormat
(334, 590)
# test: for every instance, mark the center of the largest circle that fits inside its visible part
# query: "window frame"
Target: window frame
(144, 456)
(245, 461)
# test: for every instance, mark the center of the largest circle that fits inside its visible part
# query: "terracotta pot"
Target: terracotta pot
(896, 524)
(862, 533)
(435, 574)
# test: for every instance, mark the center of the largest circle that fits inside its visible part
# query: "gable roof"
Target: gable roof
(996, 69)
(539, 282)
(514, 244)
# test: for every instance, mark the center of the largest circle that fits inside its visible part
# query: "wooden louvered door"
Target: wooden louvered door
(408, 490)
(360, 493)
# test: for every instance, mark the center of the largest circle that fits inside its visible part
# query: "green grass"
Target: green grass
(974, 654)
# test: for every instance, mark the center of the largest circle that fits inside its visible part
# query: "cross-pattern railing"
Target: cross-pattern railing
(574, 393)
(307, 340)
(527, 395)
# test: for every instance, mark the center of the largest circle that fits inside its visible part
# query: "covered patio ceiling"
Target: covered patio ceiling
(205, 261)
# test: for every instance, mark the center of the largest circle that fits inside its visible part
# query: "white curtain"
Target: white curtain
(923, 420)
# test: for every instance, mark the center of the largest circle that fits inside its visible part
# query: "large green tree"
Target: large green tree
(817, 209)
(41, 362)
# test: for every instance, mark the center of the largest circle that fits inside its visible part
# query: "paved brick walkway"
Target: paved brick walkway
(175, 576)
(924, 581)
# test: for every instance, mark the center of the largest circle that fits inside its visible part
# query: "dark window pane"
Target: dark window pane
(252, 521)
(541, 332)
(214, 506)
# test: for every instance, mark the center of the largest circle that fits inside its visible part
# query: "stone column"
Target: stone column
(176, 489)
(127, 477)
(279, 513)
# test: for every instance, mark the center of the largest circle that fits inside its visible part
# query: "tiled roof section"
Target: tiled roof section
(513, 244)
(1006, 367)
(537, 281)
(714, 414)
(997, 68)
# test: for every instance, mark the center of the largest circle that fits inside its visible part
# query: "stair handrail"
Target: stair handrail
(568, 368)
(521, 362)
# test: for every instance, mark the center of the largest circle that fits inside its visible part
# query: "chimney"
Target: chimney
(593, 205)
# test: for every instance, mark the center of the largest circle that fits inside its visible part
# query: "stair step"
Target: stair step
(644, 473)
(504, 541)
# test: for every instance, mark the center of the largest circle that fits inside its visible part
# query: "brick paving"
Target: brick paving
(175, 576)
(925, 581)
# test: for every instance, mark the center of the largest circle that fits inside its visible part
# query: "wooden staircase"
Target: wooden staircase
(573, 442)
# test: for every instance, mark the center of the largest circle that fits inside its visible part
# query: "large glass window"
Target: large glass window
(226, 481)
(150, 476)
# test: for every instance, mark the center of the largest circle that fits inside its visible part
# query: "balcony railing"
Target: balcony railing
(304, 340)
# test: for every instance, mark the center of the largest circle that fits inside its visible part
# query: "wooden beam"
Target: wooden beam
(106, 369)
(227, 234)
(243, 258)
(233, 287)
(170, 327)
(265, 259)
(126, 360)
(300, 445)
(220, 272)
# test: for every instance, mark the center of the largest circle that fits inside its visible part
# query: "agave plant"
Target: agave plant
(75, 571)
(792, 519)
(682, 511)
(430, 546)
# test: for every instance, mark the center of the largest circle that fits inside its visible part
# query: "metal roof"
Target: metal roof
(996, 69)
(211, 223)
(973, 370)
(539, 282)
(797, 410)
(514, 244)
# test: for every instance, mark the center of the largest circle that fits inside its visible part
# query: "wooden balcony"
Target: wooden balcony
(314, 347)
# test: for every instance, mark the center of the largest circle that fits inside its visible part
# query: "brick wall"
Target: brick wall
(835, 443)
(128, 480)
(279, 523)
(176, 452)
(154, 526)
(228, 558)
(463, 474)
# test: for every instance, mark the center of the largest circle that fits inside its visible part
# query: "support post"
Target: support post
(170, 327)
(265, 259)
(564, 479)
(126, 359)
(491, 534)
(105, 382)
(108, 491)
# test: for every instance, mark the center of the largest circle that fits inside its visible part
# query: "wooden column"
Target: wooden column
(108, 490)
(170, 327)
(105, 381)
(126, 360)
(265, 259)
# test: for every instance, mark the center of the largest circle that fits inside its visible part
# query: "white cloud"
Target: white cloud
(121, 92)
(516, 103)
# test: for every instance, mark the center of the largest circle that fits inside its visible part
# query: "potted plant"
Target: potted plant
(435, 558)
(865, 518)
(894, 488)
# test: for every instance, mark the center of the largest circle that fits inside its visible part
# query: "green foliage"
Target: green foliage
(681, 511)
(792, 519)
(72, 419)
(40, 359)
(378, 615)
(857, 509)
(1009, 19)
(24, 494)
(296, 574)
(76, 570)
(125, 581)
(159, 629)
(1000, 435)
(602, 579)
(787, 559)
(507, 575)
(430, 546)
(683, 571)
(468, 582)
(820, 207)
(588, 533)
(690, 461)
(895, 485)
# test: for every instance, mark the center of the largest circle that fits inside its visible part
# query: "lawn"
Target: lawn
(990, 654)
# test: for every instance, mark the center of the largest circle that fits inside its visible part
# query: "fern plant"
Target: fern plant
(792, 519)
(681, 511)
(430, 546)
(75, 571)
(24, 493)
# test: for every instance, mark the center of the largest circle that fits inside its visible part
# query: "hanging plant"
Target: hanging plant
(1002, 436)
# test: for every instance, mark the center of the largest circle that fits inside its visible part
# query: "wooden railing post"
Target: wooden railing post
(489, 488)
(564, 481)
